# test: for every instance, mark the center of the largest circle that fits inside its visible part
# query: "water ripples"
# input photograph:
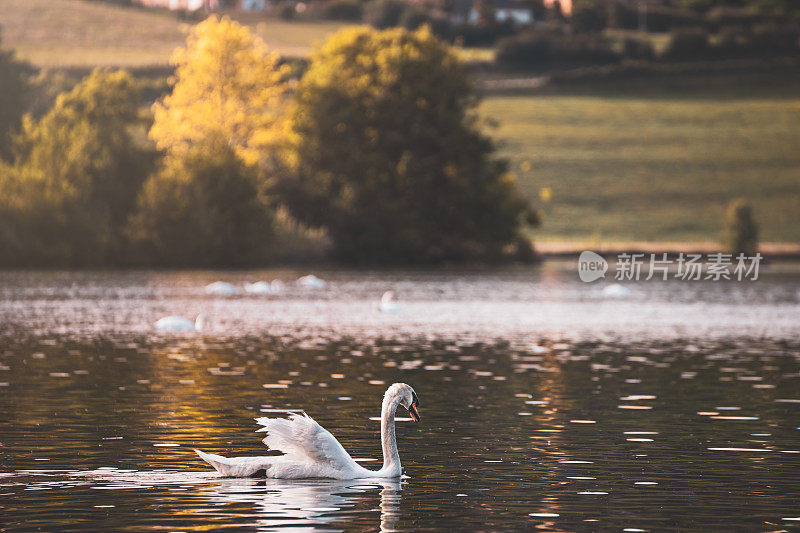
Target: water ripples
(525, 425)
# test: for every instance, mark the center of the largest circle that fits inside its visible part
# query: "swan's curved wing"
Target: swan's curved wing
(301, 439)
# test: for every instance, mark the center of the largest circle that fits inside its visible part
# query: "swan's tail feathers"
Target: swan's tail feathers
(237, 466)
(217, 461)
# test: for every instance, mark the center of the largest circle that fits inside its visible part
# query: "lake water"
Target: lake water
(545, 404)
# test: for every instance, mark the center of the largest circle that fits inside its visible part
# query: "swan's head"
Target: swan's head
(388, 297)
(406, 397)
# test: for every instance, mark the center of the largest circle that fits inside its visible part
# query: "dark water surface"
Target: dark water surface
(545, 404)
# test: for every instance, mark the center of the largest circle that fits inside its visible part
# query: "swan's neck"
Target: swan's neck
(391, 459)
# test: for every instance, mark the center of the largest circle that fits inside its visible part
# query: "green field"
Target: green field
(80, 33)
(654, 168)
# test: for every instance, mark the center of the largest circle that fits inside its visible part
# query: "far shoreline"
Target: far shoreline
(547, 251)
(566, 249)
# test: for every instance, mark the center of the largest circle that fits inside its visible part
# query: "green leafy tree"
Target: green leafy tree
(202, 209)
(741, 232)
(77, 171)
(388, 155)
(13, 97)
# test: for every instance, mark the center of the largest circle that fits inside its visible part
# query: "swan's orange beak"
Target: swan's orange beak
(412, 409)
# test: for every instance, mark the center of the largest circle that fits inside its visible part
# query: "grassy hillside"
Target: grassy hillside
(655, 167)
(68, 33)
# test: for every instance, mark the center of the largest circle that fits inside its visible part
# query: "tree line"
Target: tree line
(375, 155)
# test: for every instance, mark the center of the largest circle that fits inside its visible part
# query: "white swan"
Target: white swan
(178, 324)
(310, 451)
(615, 290)
(276, 285)
(259, 287)
(388, 304)
(311, 281)
(221, 288)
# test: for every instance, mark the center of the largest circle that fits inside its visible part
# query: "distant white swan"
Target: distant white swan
(178, 324)
(221, 288)
(259, 287)
(276, 285)
(615, 290)
(388, 304)
(310, 451)
(311, 281)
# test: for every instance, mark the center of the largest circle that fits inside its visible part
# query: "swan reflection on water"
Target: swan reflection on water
(293, 503)
(273, 503)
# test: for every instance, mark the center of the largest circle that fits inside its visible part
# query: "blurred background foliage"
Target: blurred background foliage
(74, 176)
(388, 157)
(380, 152)
(202, 209)
(740, 235)
(701, 94)
(227, 85)
(14, 87)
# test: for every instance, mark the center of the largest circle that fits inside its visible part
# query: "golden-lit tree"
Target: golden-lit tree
(228, 86)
